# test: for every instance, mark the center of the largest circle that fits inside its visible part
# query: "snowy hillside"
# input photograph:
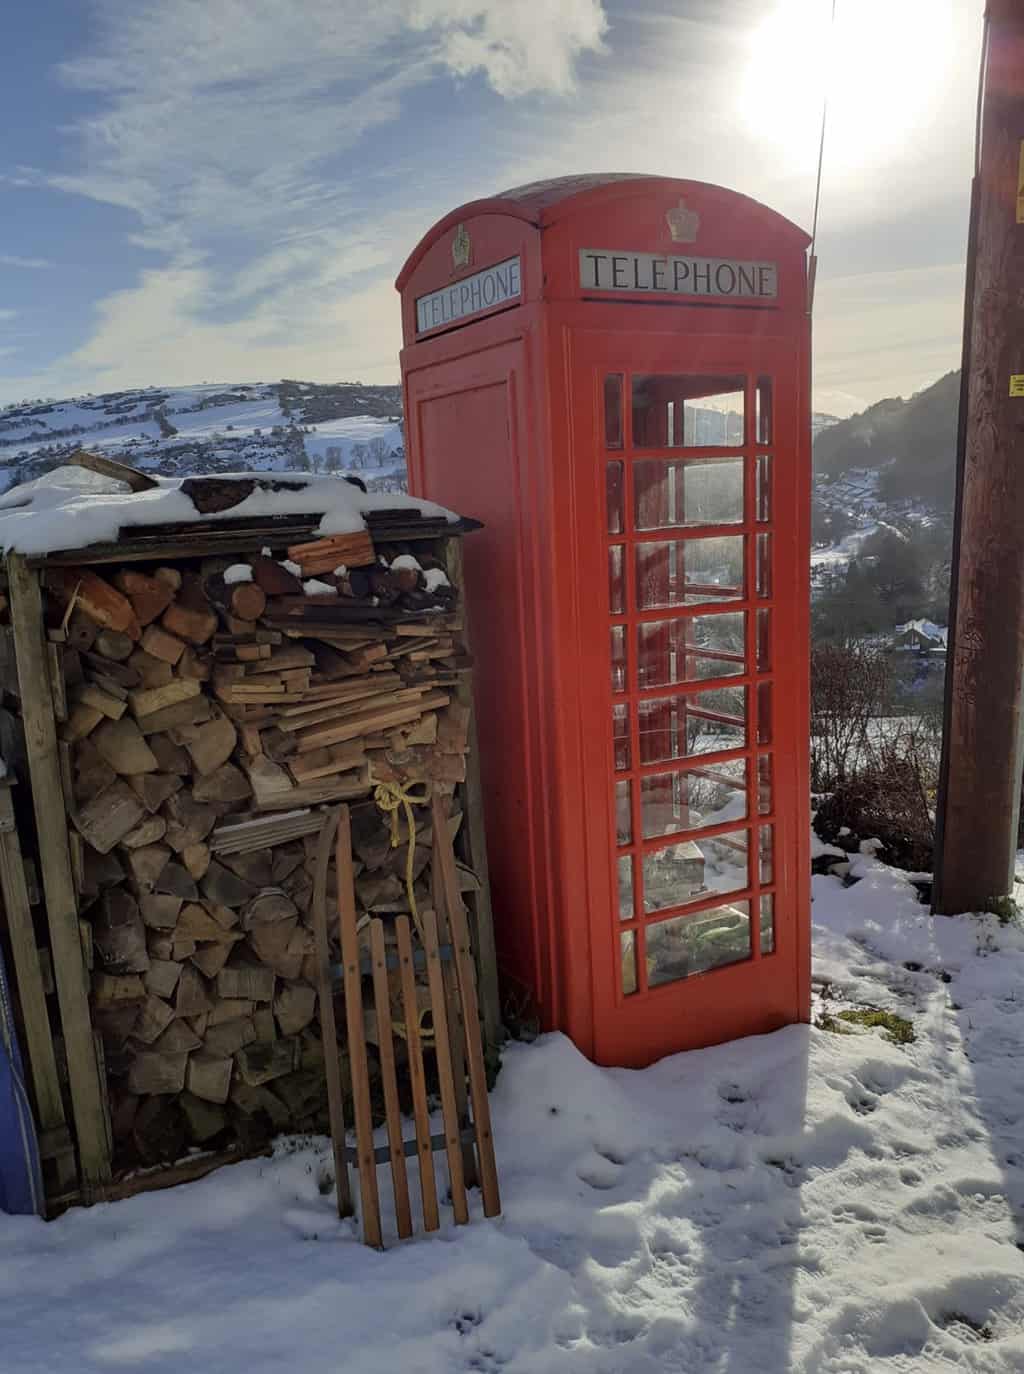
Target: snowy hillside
(216, 428)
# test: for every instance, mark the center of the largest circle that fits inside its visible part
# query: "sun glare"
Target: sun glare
(882, 64)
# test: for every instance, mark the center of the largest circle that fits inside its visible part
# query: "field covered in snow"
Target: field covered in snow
(809, 1202)
(214, 427)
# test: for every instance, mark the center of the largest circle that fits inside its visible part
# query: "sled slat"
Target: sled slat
(421, 1113)
(386, 1048)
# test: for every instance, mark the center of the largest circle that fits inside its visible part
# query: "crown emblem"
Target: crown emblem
(683, 223)
(462, 248)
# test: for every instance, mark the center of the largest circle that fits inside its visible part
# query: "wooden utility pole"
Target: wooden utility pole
(983, 741)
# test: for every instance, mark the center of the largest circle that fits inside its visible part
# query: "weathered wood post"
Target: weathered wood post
(87, 1094)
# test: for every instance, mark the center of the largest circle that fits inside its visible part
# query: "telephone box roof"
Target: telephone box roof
(543, 203)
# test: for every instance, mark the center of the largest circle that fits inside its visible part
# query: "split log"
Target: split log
(96, 598)
(225, 784)
(117, 990)
(195, 625)
(243, 977)
(158, 1130)
(90, 694)
(260, 1063)
(149, 831)
(205, 1120)
(159, 643)
(81, 721)
(294, 1007)
(150, 596)
(120, 744)
(118, 933)
(193, 995)
(153, 789)
(178, 1038)
(209, 1076)
(147, 701)
(160, 910)
(228, 1037)
(171, 576)
(162, 977)
(152, 672)
(170, 756)
(108, 817)
(153, 1072)
(153, 1019)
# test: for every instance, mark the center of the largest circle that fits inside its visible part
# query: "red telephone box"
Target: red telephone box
(612, 372)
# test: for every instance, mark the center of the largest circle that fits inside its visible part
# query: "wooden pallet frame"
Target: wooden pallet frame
(452, 980)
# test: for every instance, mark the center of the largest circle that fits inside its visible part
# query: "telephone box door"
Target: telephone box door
(693, 643)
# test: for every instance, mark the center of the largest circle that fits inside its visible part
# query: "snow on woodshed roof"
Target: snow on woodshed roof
(75, 508)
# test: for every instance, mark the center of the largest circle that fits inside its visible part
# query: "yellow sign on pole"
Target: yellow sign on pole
(1017, 385)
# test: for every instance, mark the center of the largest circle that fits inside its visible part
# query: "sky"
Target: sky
(224, 190)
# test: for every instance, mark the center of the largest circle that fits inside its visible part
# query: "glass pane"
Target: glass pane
(764, 641)
(767, 854)
(625, 888)
(691, 491)
(702, 646)
(764, 488)
(764, 410)
(694, 944)
(704, 723)
(620, 735)
(616, 580)
(691, 798)
(764, 565)
(613, 478)
(764, 784)
(618, 658)
(764, 713)
(767, 924)
(628, 939)
(692, 869)
(623, 815)
(685, 572)
(613, 410)
(699, 412)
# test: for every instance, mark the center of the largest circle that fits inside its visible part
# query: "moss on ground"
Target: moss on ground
(895, 1027)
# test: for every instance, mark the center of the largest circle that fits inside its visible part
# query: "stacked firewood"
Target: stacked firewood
(213, 709)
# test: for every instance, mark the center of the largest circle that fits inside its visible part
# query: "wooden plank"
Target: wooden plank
(389, 1079)
(370, 1203)
(417, 1077)
(87, 1092)
(456, 1029)
(106, 467)
(442, 1047)
(328, 1026)
(444, 860)
(54, 655)
(474, 834)
(368, 722)
(28, 972)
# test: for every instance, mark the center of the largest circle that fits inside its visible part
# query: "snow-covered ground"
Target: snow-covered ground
(802, 1203)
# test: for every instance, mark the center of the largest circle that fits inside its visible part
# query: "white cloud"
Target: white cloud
(13, 260)
(518, 48)
(215, 123)
(7, 315)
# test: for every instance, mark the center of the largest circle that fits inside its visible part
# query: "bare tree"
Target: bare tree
(850, 685)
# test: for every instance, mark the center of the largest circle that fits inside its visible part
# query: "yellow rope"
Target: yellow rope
(390, 796)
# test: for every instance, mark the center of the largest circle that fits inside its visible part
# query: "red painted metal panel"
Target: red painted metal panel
(512, 418)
